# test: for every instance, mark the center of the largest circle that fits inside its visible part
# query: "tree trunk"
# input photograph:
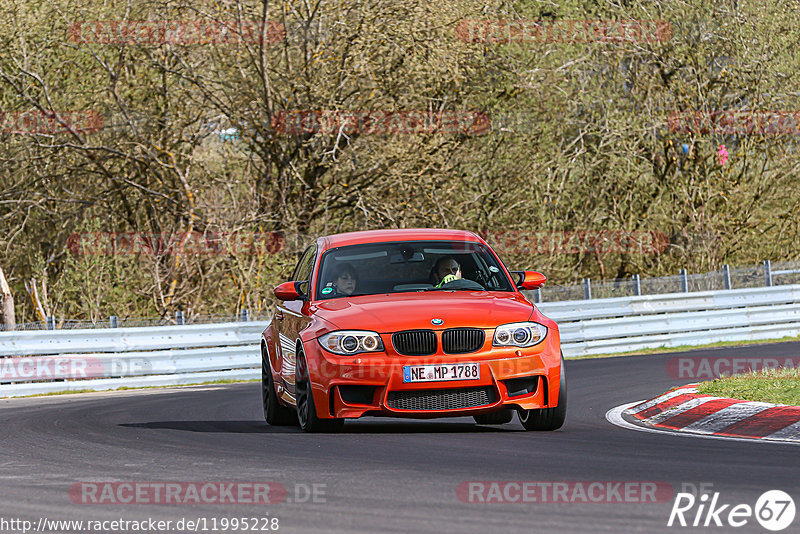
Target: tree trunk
(6, 304)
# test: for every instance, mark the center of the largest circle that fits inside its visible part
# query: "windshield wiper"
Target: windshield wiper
(453, 289)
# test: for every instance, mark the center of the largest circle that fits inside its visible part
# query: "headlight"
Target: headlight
(519, 334)
(351, 342)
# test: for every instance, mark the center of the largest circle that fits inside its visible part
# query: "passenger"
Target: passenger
(446, 270)
(345, 279)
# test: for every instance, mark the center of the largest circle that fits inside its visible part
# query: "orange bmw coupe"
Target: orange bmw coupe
(409, 323)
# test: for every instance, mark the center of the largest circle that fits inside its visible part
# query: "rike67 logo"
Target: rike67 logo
(774, 510)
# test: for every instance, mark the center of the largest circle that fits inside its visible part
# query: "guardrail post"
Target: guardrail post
(179, 318)
(587, 289)
(767, 273)
(50, 323)
(726, 276)
(113, 321)
(537, 295)
(684, 281)
(637, 285)
(244, 316)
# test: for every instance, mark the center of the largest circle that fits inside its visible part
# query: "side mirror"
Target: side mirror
(289, 291)
(529, 279)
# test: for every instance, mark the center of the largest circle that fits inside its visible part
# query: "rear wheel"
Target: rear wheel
(548, 418)
(274, 413)
(495, 418)
(306, 411)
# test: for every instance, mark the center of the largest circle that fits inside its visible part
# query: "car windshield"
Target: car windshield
(409, 266)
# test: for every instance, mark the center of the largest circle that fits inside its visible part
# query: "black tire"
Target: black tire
(548, 418)
(306, 411)
(495, 418)
(275, 413)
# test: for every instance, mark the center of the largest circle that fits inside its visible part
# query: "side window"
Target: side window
(303, 270)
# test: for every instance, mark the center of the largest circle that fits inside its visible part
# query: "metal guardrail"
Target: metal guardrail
(750, 276)
(39, 342)
(574, 310)
(37, 362)
(607, 326)
(40, 362)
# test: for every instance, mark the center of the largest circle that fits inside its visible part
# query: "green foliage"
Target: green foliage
(579, 140)
(779, 386)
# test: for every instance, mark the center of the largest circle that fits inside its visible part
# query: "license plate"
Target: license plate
(438, 373)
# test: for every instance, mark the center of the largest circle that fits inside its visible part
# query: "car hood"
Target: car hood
(409, 311)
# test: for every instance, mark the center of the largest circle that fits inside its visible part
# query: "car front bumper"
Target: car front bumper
(372, 384)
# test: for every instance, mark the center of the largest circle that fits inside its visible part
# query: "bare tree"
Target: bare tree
(577, 138)
(7, 318)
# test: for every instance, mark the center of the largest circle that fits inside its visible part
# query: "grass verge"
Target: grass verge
(779, 386)
(122, 388)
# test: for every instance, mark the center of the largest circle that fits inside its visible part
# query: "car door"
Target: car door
(291, 321)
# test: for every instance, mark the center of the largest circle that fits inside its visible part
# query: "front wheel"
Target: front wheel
(306, 411)
(548, 418)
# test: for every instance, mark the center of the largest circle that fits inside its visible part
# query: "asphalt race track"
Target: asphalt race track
(379, 475)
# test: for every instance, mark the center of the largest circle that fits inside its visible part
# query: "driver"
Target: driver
(446, 270)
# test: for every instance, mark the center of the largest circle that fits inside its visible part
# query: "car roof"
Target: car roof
(404, 234)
